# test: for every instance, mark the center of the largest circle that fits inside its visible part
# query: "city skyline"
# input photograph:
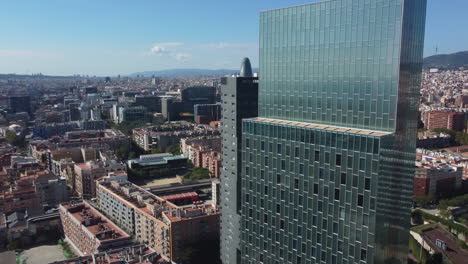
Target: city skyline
(53, 37)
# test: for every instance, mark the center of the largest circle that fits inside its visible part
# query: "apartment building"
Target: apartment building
(89, 231)
(156, 221)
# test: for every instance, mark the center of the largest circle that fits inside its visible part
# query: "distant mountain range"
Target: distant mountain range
(186, 73)
(450, 61)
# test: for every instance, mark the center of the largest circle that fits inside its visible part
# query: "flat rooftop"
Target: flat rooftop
(177, 205)
(101, 227)
(348, 130)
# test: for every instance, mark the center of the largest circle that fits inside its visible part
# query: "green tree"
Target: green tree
(156, 151)
(198, 174)
(15, 140)
(174, 149)
(435, 258)
(417, 217)
(423, 201)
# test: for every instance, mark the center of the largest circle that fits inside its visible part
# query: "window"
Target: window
(296, 152)
(360, 201)
(338, 160)
(337, 194)
(306, 153)
(282, 224)
(278, 208)
(316, 187)
(327, 157)
(343, 178)
(278, 178)
(247, 143)
(321, 173)
(296, 183)
(317, 155)
(363, 254)
(355, 181)
(362, 164)
(335, 227)
(278, 148)
(301, 168)
(367, 184)
(283, 165)
(262, 145)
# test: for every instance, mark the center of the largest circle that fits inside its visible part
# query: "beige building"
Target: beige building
(156, 221)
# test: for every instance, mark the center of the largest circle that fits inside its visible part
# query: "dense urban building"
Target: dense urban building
(444, 119)
(87, 173)
(88, 230)
(204, 152)
(27, 225)
(133, 113)
(437, 181)
(32, 189)
(239, 98)
(140, 254)
(157, 222)
(169, 134)
(206, 113)
(20, 103)
(328, 166)
(175, 163)
(150, 102)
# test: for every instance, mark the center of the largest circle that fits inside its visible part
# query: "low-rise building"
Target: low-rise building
(26, 226)
(169, 134)
(437, 181)
(89, 231)
(140, 254)
(154, 220)
(159, 161)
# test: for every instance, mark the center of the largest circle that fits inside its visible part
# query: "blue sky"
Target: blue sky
(110, 37)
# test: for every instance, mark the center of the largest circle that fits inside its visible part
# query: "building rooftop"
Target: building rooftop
(442, 241)
(192, 204)
(322, 127)
(140, 254)
(96, 223)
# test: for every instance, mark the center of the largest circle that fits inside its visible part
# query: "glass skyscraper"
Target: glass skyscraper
(327, 167)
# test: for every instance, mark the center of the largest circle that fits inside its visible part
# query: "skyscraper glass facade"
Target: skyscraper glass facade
(327, 167)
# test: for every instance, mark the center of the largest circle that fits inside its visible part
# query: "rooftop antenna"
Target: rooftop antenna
(436, 50)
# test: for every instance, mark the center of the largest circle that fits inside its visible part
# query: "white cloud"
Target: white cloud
(164, 48)
(223, 45)
(182, 56)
